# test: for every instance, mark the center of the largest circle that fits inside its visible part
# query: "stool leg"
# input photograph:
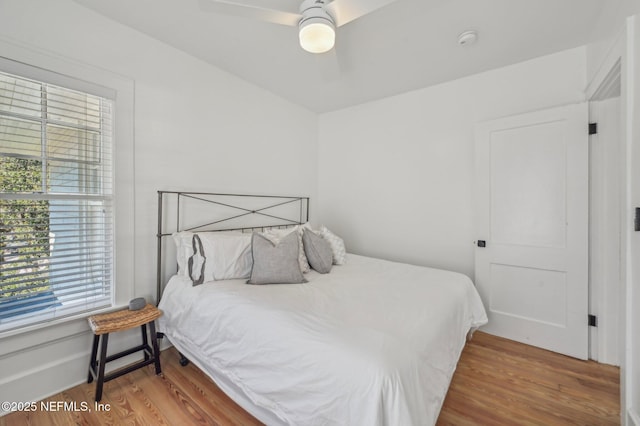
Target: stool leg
(92, 362)
(156, 351)
(145, 342)
(103, 357)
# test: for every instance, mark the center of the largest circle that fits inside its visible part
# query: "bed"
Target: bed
(372, 342)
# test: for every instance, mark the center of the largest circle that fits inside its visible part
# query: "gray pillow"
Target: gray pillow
(318, 251)
(275, 263)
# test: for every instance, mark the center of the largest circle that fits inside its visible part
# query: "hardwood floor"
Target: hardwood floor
(497, 382)
(501, 382)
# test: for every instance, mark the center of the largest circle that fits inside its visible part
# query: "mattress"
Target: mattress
(371, 343)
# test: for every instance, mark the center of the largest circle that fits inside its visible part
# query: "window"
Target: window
(56, 216)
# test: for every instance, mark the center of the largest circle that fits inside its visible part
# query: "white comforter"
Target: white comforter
(372, 343)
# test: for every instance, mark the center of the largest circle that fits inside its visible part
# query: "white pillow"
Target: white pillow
(337, 246)
(184, 250)
(277, 234)
(227, 255)
(230, 255)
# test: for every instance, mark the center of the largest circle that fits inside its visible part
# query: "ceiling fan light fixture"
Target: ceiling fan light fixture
(317, 34)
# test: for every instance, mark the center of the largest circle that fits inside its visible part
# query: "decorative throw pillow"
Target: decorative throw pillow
(276, 234)
(337, 246)
(275, 263)
(318, 251)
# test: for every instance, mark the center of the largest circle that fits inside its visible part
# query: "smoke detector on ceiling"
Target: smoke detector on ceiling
(467, 38)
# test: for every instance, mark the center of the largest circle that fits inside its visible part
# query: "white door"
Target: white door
(532, 188)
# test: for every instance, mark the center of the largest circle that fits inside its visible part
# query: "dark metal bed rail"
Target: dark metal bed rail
(215, 224)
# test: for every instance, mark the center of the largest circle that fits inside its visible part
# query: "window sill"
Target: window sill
(23, 338)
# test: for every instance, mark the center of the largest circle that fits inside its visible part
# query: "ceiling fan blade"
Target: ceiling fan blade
(345, 11)
(228, 7)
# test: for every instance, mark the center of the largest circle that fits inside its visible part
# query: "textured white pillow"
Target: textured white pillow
(277, 234)
(337, 246)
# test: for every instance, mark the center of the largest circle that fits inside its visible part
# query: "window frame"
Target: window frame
(64, 72)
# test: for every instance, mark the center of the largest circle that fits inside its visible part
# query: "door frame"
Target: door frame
(605, 290)
(625, 49)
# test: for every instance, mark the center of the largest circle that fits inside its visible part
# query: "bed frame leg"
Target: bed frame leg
(183, 360)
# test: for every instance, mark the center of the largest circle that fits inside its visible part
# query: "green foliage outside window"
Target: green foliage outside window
(24, 230)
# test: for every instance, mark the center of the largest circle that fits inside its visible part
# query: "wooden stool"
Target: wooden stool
(104, 324)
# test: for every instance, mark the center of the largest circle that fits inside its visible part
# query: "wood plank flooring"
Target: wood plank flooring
(497, 382)
(501, 382)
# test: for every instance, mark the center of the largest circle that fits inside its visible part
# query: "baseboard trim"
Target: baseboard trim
(29, 383)
(56, 374)
(24, 374)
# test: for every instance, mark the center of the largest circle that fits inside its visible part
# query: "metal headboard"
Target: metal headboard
(223, 212)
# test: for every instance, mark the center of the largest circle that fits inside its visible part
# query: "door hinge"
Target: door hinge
(593, 128)
(482, 243)
(593, 321)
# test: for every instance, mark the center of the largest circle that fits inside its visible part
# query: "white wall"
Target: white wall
(196, 128)
(396, 175)
(610, 27)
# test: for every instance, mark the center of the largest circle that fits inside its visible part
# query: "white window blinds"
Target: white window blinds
(56, 216)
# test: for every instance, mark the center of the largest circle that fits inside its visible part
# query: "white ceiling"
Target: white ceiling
(406, 45)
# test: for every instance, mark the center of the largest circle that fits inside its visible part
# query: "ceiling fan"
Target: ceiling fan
(317, 20)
